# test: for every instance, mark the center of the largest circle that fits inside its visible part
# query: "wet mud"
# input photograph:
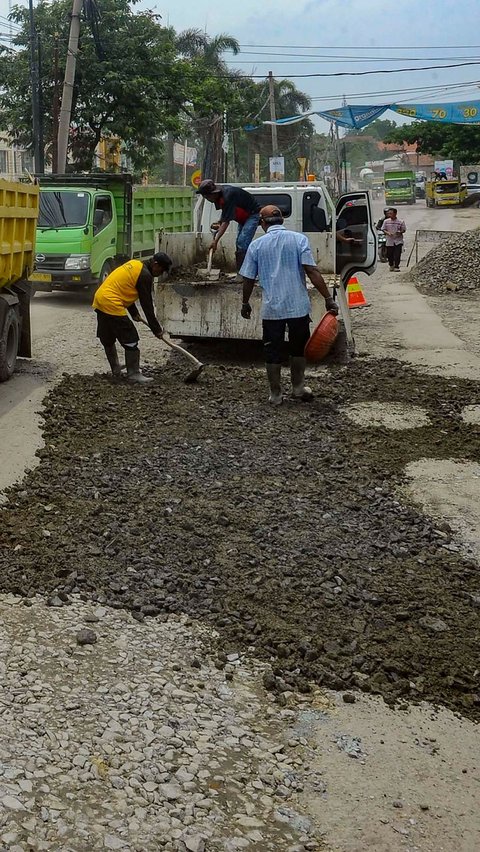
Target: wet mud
(286, 530)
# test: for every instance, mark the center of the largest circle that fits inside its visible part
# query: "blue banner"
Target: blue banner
(462, 112)
(356, 117)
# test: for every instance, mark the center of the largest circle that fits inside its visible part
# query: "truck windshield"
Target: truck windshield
(398, 183)
(63, 209)
(443, 187)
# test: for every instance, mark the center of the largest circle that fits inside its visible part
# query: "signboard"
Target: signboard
(327, 170)
(256, 176)
(430, 236)
(277, 168)
(196, 178)
(444, 166)
(179, 155)
(433, 236)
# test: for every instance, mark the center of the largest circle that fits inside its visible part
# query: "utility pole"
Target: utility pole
(273, 114)
(68, 84)
(55, 108)
(338, 160)
(169, 159)
(38, 156)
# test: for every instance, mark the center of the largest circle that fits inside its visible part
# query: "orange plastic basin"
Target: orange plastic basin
(322, 338)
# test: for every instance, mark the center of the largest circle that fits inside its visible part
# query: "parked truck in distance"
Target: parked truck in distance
(18, 217)
(441, 192)
(400, 186)
(191, 306)
(89, 224)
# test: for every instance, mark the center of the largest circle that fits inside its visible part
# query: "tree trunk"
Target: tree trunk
(213, 154)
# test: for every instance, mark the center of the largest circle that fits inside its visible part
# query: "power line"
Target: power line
(354, 58)
(437, 87)
(349, 59)
(375, 71)
(366, 47)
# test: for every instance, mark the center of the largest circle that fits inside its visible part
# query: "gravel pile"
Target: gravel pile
(282, 529)
(119, 743)
(453, 265)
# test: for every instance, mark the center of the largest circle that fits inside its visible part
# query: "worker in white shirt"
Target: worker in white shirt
(394, 230)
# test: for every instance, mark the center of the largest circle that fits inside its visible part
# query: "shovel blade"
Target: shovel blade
(209, 274)
(193, 375)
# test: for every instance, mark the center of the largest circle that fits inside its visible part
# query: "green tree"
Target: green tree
(293, 141)
(379, 129)
(134, 93)
(446, 141)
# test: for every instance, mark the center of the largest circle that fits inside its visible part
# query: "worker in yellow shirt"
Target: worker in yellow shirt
(117, 295)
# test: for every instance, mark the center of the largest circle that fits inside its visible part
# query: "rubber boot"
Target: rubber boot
(132, 358)
(274, 373)
(112, 356)
(297, 372)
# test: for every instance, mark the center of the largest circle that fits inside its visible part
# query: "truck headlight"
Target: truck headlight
(78, 261)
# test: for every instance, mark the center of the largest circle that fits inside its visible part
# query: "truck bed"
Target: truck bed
(189, 306)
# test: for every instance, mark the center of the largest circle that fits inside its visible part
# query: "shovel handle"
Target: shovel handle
(176, 347)
(209, 261)
(182, 351)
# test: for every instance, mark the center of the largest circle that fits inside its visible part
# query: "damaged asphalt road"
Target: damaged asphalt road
(283, 529)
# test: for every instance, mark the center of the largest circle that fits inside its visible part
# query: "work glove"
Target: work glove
(246, 311)
(159, 333)
(331, 305)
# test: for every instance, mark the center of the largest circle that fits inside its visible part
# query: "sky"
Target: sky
(328, 36)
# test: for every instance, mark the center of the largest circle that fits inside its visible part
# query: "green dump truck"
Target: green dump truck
(18, 217)
(400, 186)
(89, 224)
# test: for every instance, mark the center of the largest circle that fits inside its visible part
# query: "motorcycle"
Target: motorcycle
(382, 247)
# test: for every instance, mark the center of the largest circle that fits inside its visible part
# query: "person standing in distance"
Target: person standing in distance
(394, 230)
(237, 205)
(281, 259)
(117, 295)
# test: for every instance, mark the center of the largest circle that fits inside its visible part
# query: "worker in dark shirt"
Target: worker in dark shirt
(117, 295)
(237, 205)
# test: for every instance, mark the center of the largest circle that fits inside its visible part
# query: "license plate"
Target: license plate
(40, 276)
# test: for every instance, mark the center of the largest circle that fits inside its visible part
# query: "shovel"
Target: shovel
(209, 273)
(198, 366)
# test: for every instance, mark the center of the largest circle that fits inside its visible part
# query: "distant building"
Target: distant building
(14, 161)
(418, 162)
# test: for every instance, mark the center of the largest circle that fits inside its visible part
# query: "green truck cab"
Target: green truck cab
(89, 224)
(400, 187)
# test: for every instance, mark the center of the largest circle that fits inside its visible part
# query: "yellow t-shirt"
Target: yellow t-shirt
(119, 289)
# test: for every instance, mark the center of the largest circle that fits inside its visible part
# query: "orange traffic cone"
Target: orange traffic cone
(355, 294)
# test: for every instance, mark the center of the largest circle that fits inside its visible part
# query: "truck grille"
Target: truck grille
(49, 261)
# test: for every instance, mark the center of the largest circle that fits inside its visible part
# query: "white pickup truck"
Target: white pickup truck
(199, 308)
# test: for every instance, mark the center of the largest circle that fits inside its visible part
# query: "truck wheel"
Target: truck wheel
(105, 272)
(9, 345)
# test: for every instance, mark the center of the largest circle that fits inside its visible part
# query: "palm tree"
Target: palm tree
(289, 100)
(208, 51)
(195, 44)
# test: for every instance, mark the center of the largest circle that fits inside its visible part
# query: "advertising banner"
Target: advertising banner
(277, 168)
